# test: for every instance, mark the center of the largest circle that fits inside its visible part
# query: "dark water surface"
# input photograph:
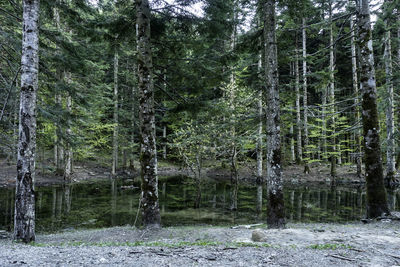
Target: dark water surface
(111, 203)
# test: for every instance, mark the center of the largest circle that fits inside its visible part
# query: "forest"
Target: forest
(154, 94)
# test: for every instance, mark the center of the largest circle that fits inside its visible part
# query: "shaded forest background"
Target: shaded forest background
(208, 83)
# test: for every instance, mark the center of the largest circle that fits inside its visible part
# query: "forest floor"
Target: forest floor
(91, 172)
(373, 244)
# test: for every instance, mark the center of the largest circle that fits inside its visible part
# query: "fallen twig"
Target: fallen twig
(341, 257)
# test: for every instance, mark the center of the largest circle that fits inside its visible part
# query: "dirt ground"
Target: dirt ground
(87, 172)
(373, 244)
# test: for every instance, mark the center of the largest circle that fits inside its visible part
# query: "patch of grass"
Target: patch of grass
(329, 246)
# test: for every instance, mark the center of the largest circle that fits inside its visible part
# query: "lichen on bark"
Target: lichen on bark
(148, 153)
(24, 218)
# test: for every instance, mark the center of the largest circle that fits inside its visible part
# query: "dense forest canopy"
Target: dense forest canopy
(232, 83)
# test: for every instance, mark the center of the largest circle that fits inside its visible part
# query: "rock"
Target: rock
(258, 236)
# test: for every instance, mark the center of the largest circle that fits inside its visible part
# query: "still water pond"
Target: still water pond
(115, 202)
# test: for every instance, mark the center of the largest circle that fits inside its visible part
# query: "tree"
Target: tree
(148, 152)
(376, 193)
(275, 208)
(24, 220)
(390, 153)
(356, 93)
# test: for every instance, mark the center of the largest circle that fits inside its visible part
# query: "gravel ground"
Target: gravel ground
(373, 244)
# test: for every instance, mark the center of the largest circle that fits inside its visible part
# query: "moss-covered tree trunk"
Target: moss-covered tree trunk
(24, 218)
(148, 153)
(275, 208)
(376, 193)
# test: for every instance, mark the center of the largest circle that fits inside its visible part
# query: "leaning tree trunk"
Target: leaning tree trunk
(376, 193)
(305, 105)
(356, 93)
(148, 152)
(24, 218)
(115, 117)
(390, 153)
(275, 209)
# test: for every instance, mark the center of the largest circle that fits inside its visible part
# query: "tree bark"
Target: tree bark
(259, 144)
(356, 93)
(275, 209)
(68, 152)
(115, 117)
(331, 96)
(305, 96)
(390, 152)
(133, 119)
(148, 152)
(376, 193)
(24, 219)
(298, 113)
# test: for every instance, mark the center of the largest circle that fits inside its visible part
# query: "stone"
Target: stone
(258, 236)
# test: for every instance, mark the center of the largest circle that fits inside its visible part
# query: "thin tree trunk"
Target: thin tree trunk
(148, 152)
(390, 153)
(376, 193)
(305, 97)
(133, 119)
(24, 219)
(68, 152)
(115, 132)
(259, 144)
(292, 150)
(331, 98)
(58, 144)
(275, 209)
(356, 93)
(298, 113)
(164, 126)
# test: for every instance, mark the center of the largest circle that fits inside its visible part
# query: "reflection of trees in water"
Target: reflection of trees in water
(304, 204)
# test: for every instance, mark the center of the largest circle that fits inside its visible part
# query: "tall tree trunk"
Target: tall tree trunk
(376, 193)
(298, 113)
(356, 93)
(275, 209)
(68, 152)
(259, 144)
(148, 152)
(232, 105)
(58, 144)
(24, 219)
(305, 96)
(331, 97)
(133, 119)
(390, 152)
(165, 126)
(115, 116)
